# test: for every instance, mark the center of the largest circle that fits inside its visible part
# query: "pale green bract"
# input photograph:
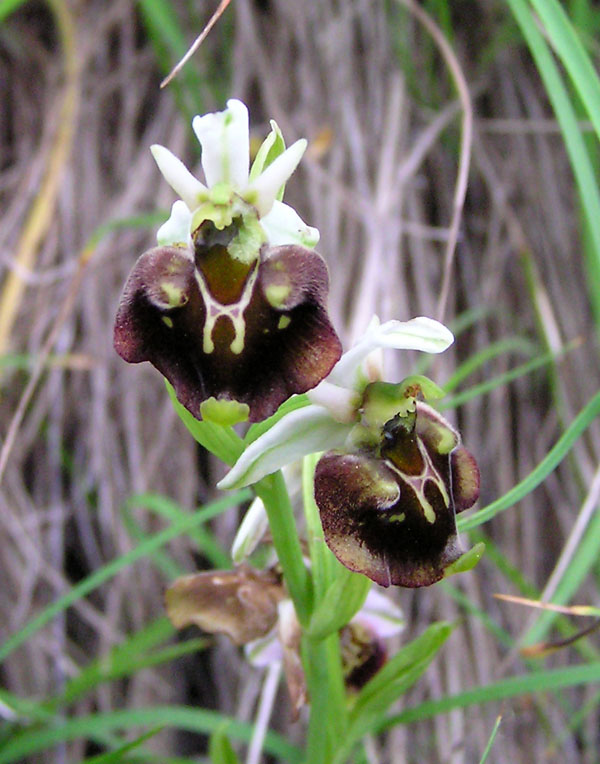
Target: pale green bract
(224, 137)
(328, 420)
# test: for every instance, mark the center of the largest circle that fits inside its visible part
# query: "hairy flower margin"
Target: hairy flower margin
(231, 306)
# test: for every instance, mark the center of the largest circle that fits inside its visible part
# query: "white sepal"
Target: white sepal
(301, 432)
(176, 230)
(225, 142)
(422, 333)
(177, 175)
(341, 402)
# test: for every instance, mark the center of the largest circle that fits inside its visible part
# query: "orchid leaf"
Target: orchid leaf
(400, 673)
(342, 600)
(220, 749)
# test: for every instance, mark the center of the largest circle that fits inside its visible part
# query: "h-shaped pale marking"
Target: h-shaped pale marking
(417, 483)
(235, 313)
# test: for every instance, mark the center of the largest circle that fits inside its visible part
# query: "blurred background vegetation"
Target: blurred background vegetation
(99, 477)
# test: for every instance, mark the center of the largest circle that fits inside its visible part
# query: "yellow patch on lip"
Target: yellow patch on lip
(175, 297)
(237, 345)
(284, 322)
(400, 518)
(277, 295)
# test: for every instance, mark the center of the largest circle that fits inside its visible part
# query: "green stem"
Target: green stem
(321, 657)
(326, 691)
(273, 492)
(321, 559)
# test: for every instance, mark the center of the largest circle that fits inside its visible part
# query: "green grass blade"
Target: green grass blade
(9, 6)
(526, 589)
(32, 741)
(503, 637)
(206, 542)
(125, 663)
(170, 43)
(573, 56)
(146, 757)
(398, 674)
(220, 748)
(118, 755)
(118, 661)
(503, 379)
(535, 682)
(490, 743)
(552, 459)
(97, 578)
(425, 645)
(148, 220)
(574, 142)
(583, 561)
(488, 353)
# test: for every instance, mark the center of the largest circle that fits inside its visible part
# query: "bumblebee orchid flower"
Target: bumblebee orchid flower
(388, 502)
(231, 306)
(394, 474)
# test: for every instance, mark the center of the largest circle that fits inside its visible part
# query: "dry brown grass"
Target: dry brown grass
(379, 183)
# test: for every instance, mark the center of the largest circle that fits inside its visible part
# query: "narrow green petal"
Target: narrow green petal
(263, 191)
(272, 147)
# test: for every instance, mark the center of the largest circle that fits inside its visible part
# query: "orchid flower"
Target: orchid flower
(231, 306)
(394, 474)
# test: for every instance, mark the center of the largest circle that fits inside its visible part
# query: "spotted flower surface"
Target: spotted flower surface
(231, 305)
(388, 508)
